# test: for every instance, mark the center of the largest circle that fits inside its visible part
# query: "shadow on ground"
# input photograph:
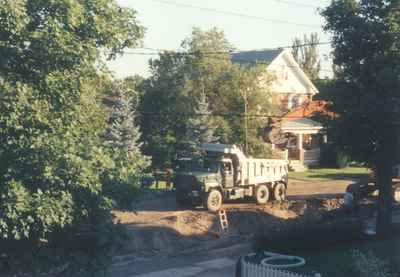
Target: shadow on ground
(172, 231)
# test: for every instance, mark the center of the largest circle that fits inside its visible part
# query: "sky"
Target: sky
(168, 24)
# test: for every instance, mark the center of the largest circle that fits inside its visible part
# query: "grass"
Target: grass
(327, 247)
(337, 260)
(330, 174)
(161, 185)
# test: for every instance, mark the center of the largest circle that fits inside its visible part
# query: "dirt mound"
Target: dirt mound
(171, 231)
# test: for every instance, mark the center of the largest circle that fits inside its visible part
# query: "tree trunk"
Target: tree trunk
(384, 181)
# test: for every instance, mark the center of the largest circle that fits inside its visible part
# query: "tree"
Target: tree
(200, 128)
(52, 158)
(122, 138)
(161, 106)
(256, 103)
(182, 83)
(306, 54)
(366, 50)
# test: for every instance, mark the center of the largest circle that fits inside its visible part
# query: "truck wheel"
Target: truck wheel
(280, 192)
(262, 194)
(213, 201)
(396, 194)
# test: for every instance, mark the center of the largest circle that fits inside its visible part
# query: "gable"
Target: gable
(290, 78)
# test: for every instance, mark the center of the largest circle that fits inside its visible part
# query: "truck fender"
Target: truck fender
(211, 186)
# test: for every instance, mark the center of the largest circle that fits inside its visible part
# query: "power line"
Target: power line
(213, 56)
(296, 4)
(235, 51)
(235, 14)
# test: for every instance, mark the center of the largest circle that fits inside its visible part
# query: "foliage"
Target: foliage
(200, 128)
(306, 54)
(368, 265)
(367, 55)
(122, 139)
(161, 107)
(180, 86)
(332, 156)
(52, 157)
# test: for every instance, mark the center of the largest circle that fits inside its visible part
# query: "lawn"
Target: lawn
(328, 247)
(337, 260)
(329, 174)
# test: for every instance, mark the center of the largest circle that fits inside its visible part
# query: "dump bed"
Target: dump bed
(257, 171)
(253, 171)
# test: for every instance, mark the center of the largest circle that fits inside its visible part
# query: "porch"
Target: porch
(305, 139)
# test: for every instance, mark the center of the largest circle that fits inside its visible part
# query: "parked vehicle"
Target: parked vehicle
(363, 190)
(224, 172)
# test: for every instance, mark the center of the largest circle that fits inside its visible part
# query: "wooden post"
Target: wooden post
(300, 147)
(324, 138)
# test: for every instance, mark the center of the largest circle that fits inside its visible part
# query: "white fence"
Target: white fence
(254, 270)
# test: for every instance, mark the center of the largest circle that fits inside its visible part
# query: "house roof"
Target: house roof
(309, 109)
(254, 56)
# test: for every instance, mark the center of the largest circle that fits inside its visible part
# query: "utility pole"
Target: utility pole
(245, 122)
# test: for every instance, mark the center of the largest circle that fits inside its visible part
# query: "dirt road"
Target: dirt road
(161, 231)
(169, 241)
(159, 226)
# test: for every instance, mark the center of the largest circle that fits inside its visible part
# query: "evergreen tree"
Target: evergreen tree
(122, 137)
(200, 129)
(123, 134)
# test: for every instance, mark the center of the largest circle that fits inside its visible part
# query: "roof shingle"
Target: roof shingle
(254, 56)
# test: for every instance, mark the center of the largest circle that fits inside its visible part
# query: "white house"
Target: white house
(295, 92)
(291, 84)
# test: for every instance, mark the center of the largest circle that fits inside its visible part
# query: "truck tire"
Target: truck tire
(213, 200)
(262, 194)
(280, 192)
(396, 194)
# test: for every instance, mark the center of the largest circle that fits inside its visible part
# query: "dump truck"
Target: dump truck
(224, 173)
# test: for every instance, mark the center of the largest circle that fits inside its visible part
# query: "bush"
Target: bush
(122, 194)
(368, 265)
(332, 156)
(299, 236)
(342, 159)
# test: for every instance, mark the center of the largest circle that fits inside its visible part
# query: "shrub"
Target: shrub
(368, 265)
(332, 156)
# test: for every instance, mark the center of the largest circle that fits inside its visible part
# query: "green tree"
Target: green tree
(52, 156)
(203, 73)
(256, 102)
(306, 54)
(200, 128)
(365, 39)
(160, 118)
(122, 138)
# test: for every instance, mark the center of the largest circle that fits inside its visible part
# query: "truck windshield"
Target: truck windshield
(205, 165)
(211, 166)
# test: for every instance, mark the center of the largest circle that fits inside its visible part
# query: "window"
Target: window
(227, 168)
(295, 101)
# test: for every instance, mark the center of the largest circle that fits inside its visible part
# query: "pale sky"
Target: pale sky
(167, 25)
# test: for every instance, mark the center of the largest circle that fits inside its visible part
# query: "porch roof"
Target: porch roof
(302, 125)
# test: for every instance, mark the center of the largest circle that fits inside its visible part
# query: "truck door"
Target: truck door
(227, 174)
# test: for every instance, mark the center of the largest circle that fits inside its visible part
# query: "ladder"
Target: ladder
(223, 220)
